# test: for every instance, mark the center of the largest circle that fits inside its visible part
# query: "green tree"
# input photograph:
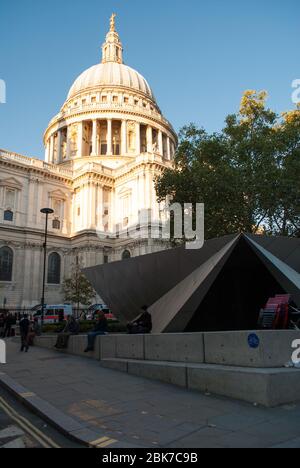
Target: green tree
(247, 175)
(77, 289)
(284, 219)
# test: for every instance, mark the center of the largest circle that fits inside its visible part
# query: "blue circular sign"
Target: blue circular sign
(253, 341)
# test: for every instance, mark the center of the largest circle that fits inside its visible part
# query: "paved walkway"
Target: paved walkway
(142, 413)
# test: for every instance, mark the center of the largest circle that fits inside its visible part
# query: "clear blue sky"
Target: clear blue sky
(198, 56)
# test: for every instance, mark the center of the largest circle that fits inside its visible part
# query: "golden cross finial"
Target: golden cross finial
(113, 22)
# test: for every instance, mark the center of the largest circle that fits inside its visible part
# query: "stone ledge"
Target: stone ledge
(232, 348)
(274, 348)
(267, 387)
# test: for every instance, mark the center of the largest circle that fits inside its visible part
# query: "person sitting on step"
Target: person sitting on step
(142, 325)
(71, 328)
(101, 328)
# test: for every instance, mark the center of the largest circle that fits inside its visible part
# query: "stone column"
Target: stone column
(98, 138)
(138, 138)
(86, 206)
(160, 143)
(99, 208)
(30, 201)
(109, 137)
(68, 143)
(51, 157)
(80, 140)
(47, 152)
(168, 148)
(149, 139)
(124, 138)
(94, 205)
(94, 138)
(58, 146)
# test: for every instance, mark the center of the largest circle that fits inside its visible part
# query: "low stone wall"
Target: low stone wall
(274, 348)
(76, 346)
(263, 349)
(187, 347)
(45, 341)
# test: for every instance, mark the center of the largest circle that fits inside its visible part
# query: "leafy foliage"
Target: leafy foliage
(85, 327)
(248, 175)
(78, 290)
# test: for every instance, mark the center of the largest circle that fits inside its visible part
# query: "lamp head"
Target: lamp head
(47, 211)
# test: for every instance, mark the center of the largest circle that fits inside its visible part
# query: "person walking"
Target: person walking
(2, 325)
(34, 330)
(9, 322)
(24, 331)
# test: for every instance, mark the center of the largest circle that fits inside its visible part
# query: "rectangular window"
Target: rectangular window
(8, 216)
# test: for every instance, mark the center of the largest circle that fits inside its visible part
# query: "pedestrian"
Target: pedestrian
(34, 330)
(101, 328)
(2, 325)
(24, 331)
(9, 322)
(142, 325)
(72, 328)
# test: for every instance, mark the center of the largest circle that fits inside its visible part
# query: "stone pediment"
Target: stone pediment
(124, 192)
(58, 194)
(11, 182)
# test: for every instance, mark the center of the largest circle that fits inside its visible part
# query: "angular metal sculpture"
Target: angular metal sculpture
(174, 283)
(285, 275)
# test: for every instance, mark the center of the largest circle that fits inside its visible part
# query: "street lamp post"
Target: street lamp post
(47, 212)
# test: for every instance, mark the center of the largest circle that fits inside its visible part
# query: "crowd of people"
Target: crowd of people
(7, 321)
(29, 328)
(142, 325)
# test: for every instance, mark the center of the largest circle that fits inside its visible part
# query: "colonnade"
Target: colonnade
(107, 137)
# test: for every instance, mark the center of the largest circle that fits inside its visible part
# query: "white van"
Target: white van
(54, 313)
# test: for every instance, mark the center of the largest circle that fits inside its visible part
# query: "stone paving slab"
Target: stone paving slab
(124, 411)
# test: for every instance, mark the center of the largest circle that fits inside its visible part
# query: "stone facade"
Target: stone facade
(103, 151)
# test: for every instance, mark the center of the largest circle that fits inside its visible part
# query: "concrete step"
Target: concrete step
(265, 386)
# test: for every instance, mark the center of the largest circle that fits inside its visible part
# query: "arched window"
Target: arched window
(54, 265)
(126, 255)
(8, 216)
(6, 264)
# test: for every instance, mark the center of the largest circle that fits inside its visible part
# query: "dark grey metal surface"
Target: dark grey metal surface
(173, 312)
(173, 283)
(287, 277)
(127, 285)
(286, 249)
